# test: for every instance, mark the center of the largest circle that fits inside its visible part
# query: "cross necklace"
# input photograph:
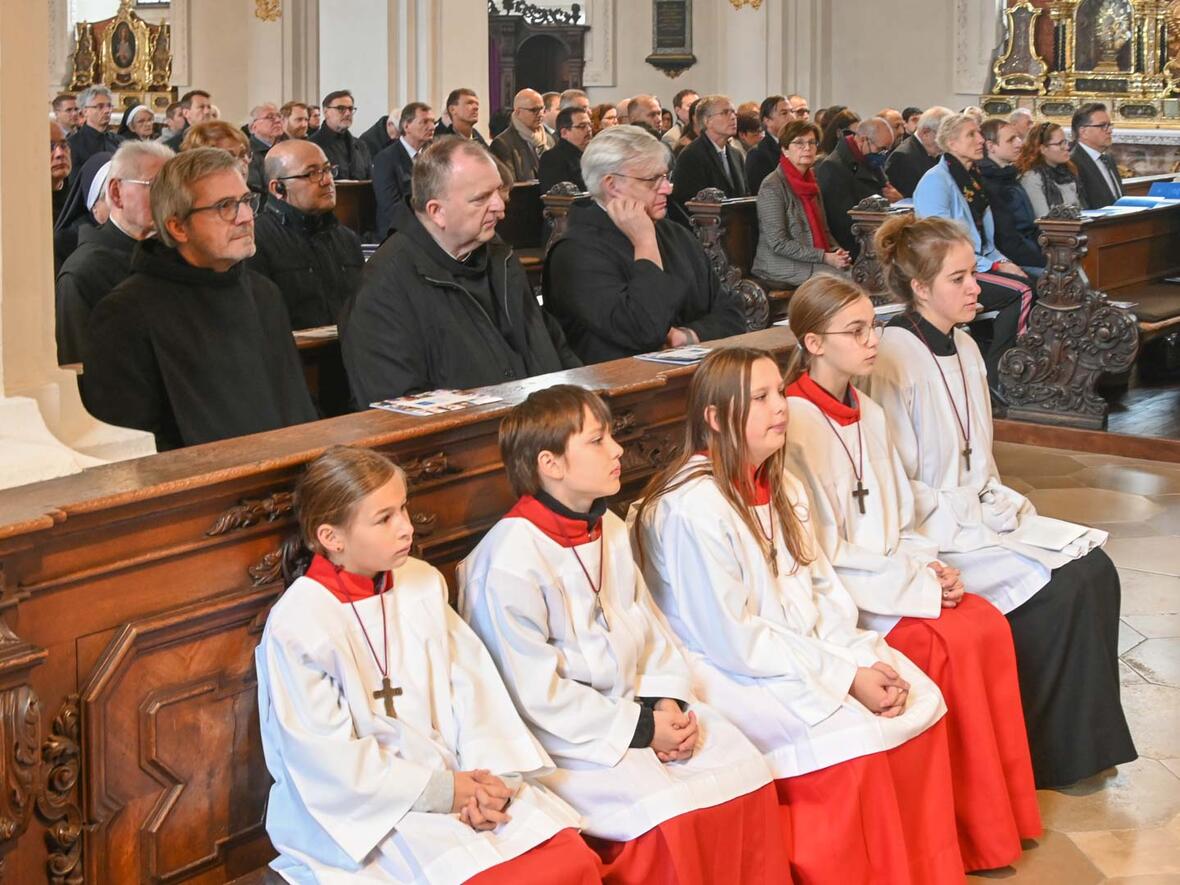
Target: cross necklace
(964, 425)
(768, 536)
(386, 693)
(599, 611)
(858, 464)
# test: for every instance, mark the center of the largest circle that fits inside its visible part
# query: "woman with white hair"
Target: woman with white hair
(953, 188)
(623, 279)
(138, 124)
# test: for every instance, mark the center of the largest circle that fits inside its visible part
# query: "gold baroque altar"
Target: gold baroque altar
(130, 56)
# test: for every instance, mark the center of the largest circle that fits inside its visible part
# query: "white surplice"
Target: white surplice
(346, 775)
(576, 682)
(969, 513)
(776, 655)
(882, 561)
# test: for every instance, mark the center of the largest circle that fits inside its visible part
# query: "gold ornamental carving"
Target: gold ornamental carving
(130, 56)
(738, 4)
(268, 10)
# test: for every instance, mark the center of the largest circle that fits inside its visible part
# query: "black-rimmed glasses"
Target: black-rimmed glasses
(315, 176)
(227, 210)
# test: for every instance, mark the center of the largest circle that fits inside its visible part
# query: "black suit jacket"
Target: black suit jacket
(844, 181)
(1096, 193)
(761, 161)
(562, 163)
(699, 167)
(907, 164)
(392, 173)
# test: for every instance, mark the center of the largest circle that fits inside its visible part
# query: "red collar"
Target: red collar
(842, 414)
(566, 531)
(345, 586)
(760, 483)
(857, 153)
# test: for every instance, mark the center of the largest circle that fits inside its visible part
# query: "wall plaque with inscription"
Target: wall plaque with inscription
(671, 35)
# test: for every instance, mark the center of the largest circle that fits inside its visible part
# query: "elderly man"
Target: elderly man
(343, 149)
(394, 167)
(66, 112)
(564, 162)
(800, 108)
(266, 129)
(295, 119)
(912, 158)
(463, 110)
(710, 161)
(444, 304)
(763, 158)
(196, 106)
(314, 260)
(1021, 121)
(681, 102)
(94, 135)
(855, 169)
(1098, 173)
(520, 145)
(103, 257)
(60, 164)
(623, 279)
(194, 346)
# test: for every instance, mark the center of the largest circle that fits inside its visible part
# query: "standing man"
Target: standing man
(65, 112)
(520, 145)
(564, 162)
(1097, 170)
(196, 106)
(710, 161)
(94, 135)
(343, 149)
(681, 102)
(59, 167)
(775, 113)
(394, 167)
(295, 119)
(463, 110)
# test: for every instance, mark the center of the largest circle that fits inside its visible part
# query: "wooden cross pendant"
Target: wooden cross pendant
(967, 455)
(387, 693)
(859, 494)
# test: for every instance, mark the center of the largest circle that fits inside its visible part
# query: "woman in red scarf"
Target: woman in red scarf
(793, 237)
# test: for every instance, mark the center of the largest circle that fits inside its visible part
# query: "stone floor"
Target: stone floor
(1122, 826)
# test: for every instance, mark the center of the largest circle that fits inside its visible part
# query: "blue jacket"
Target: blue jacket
(938, 195)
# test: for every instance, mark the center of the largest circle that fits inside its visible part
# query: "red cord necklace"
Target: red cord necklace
(964, 426)
(386, 692)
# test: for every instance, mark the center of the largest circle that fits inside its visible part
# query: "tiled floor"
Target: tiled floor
(1121, 826)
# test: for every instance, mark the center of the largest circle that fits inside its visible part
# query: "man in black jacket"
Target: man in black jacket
(194, 346)
(1097, 170)
(851, 172)
(1012, 211)
(764, 157)
(394, 166)
(301, 246)
(463, 112)
(914, 157)
(710, 161)
(564, 162)
(343, 149)
(94, 136)
(196, 106)
(623, 279)
(444, 304)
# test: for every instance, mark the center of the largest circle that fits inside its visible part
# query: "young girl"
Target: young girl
(863, 511)
(383, 719)
(1058, 589)
(670, 790)
(851, 729)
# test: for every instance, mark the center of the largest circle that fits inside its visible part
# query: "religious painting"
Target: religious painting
(1104, 29)
(123, 45)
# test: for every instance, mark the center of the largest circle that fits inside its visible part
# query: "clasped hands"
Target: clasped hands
(951, 583)
(480, 799)
(880, 689)
(676, 733)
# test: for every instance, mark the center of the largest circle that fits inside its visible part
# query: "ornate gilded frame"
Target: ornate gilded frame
(1022, 39)
(136, 73)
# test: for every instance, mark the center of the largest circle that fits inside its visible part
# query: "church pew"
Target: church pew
(132, 597)
(1141, 184)
(356, 207)
(522, 227)
(323, 367)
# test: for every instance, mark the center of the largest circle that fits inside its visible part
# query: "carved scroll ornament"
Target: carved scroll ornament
(710, 233)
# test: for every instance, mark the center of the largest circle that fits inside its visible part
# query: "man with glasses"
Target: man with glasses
(343, 149)
(520, 145)
(800, 108)
(853, 171)
(266, 130)
(103, 257)
(196, 106)
(1097, 170)
(394, 166)
(710, 161)
(194, 346)
(314, 259)
(94, 135)
(564, 162)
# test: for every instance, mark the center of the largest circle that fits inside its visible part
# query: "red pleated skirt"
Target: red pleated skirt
(739, 841)
(886, 818)
(564, 859)
(968, 653)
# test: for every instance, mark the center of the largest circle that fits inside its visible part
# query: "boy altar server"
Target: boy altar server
(671, 791)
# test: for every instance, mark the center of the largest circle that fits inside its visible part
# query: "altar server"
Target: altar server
(852, 730)
(863, 509)
(1059, 590)
(669, 789)
(396, 752)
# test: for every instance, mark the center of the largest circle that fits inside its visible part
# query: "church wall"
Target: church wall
(234, 56)
(354, 55)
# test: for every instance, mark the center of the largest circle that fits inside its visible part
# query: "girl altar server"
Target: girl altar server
(862, 509)
(852, 730)
(396, 752)
(1059, 590)
(670, 791)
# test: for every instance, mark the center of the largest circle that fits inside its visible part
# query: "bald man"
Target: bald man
(853, 171)
(520, 145)
(314, 260)
(893, 117)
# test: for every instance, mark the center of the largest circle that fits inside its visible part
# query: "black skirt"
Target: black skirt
(1066, 639)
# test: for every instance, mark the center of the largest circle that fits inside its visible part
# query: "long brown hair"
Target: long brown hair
(812, 307)
(328, 492)
(722, 381)
(1030, 154)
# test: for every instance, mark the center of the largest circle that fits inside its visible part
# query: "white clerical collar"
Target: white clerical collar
(410, 149)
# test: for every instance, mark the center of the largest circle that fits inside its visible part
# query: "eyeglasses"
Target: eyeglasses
(724, 112)
(536, 110)
(803, 143)
(582, 126)
(657, 181)
(101, 106)
(316, 176)
(55, 146)
(142, 181)
(227, 210)
(862, 335)
(1053, 143)
(342, 108)
(271, 117)
(1105, 127)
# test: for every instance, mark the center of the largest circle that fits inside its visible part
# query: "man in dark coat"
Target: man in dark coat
(851, 172)
(710, 161)
(94, 136)
(623, 279)
(343, 149)
(1012, 211)
(914, 157)
(301, 246)
(394, 166)
(444, 304)
(196, 106)
(194, 346)
(763, 158)
(520, 146)
(463, 111)
(564, 162)
(103, 257)
(1097, 171)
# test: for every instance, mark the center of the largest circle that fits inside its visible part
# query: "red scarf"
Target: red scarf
(565, 531)
(344, 585)
(842, 414)
(807, 190)
(857, 153)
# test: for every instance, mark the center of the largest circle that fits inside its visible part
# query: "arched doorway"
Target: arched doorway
(540, 64)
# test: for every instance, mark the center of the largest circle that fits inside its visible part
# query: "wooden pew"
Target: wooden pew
(323, 367)
(1141, 184)
(522, 228)
(356, 207)
(132, 597)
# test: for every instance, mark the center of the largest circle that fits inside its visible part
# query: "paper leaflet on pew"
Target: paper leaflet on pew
(677, 356)
(434, 402)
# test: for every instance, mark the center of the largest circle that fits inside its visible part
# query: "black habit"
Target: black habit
(562, 163)
(844, 180)
(376, 137)
(314, 260)
(761, 161)
(612, 306)
(423, 320)
(193, 355)
(392, 175)
(1093, 187)
(907, 164)
(699, 166)
(88, 141)
(345, 150)
(101, 261)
